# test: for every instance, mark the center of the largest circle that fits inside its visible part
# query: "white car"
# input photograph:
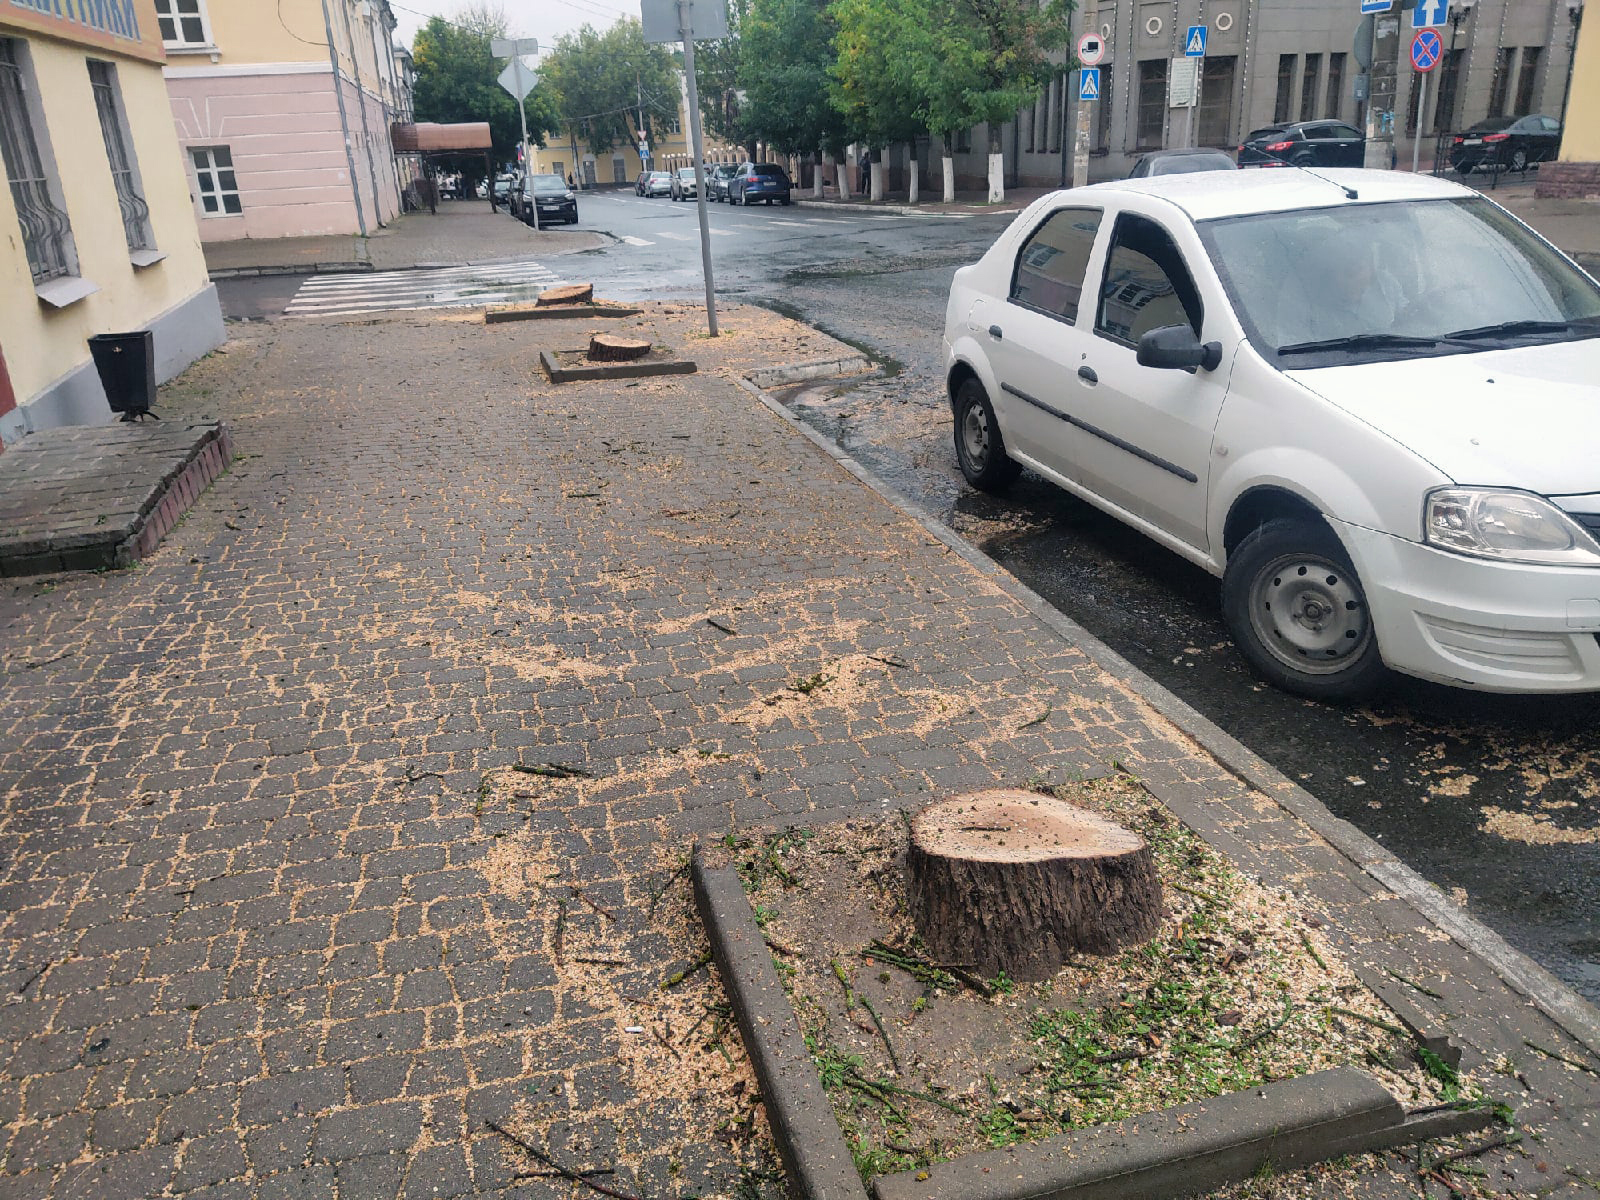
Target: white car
(1368, 401)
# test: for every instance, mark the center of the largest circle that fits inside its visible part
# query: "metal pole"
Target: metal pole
(1416, 142)
(699, 169)
(527, 153)
(1080, 148)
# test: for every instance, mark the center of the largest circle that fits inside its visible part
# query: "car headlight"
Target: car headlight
(1505, 525)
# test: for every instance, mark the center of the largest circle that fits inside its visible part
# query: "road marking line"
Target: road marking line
(638, 241)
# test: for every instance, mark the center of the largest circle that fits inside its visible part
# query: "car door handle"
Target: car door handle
(996, 333)
(1087, 375)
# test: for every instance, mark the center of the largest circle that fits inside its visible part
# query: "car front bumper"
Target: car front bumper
(1474, 623)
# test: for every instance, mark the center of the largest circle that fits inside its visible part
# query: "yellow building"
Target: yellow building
(283, 109)
(1578, 171)
(97, 233)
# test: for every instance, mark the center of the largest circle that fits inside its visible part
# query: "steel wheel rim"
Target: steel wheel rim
(1310, 614)
(975, 436)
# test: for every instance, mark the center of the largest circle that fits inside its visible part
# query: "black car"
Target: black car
(717, 180)
(1181, 162)
(1305, 144)
(1509, 143)
(556, 202)
(755, 182)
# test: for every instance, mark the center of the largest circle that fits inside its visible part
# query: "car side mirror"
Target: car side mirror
(1175, 348)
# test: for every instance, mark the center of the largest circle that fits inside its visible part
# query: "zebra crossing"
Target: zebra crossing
(441, 287)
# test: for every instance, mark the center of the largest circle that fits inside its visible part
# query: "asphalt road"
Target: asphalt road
(1493, 798)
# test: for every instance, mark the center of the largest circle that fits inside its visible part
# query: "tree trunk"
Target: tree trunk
(875, 173)
(1017, 882)
(609, 347)
(816, 179)
(949, 165)
(914, 180)
(571, 293)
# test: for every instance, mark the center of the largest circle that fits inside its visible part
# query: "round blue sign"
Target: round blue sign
(1426, 49)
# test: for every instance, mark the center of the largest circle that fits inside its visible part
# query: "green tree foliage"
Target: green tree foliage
(602, 81)
(456, 82)
(786, 54)
(872, 82)
(716, 73)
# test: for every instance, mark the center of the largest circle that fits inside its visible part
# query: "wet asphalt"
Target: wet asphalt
(1495, 799)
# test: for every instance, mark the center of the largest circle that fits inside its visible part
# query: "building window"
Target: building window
(46, 232)
(1502, 81)
(213, 170)
(1335, 105)
(1152, 104)
(1280, 107)
(1216, 101)
(1444, 109)
(1308, 86)
(183, 23)
(124, 169)
(1530, 69)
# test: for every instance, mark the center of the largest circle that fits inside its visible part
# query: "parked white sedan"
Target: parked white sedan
(1369, 402)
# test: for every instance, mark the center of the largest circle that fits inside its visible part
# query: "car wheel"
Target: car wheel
(980, 450)
(1519, 161)
(1298, 613)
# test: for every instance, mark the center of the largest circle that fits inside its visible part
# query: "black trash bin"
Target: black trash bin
(127, 366)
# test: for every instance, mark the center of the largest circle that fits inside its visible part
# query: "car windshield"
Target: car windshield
(685, 172)
(1365, 282)
(1183, 164)
(549, 183)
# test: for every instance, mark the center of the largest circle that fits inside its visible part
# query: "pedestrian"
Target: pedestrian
(864, 178)
(571, 182)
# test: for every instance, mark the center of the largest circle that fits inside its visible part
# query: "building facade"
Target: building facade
(97, 234)
(1271, 61)
(283, 110)
(1577, 174)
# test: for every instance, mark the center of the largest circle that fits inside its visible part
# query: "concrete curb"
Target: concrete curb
(499, 316)
(1552, 997)
(320, 268)
(931, 209)
(1190, 1149)
(623, 370)
(821, 368)
(813, 1150)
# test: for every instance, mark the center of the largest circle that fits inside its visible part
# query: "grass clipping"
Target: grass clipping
(924, 1063)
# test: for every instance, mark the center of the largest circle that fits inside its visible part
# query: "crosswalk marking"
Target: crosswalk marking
(442, 287)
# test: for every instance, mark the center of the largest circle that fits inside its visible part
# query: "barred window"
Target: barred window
(183, 23)
(119, 153)
(25, 145)
(219, 190)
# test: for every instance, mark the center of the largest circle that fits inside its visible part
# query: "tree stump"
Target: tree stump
(610, 347)
(569, 293)
(1016, 882)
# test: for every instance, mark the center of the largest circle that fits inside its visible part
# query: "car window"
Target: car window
(1550, 124)
(1146, 284)
(1051, 266)
(1318, 132)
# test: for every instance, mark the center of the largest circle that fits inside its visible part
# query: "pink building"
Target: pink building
(283, 111)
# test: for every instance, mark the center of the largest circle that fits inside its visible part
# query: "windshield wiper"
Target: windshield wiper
(1507, 329)
(1363, 341)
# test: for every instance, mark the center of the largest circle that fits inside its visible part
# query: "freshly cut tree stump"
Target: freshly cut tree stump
(609, 347)
(1016, 882)
(571, 293)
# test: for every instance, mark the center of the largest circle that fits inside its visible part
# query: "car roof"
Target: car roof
(1210, 194)
(1183, 151)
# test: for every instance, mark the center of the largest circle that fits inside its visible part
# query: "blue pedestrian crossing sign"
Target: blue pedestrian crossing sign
(1429, 14)
(1194, 42)
(1089, 83)
(1375, 6)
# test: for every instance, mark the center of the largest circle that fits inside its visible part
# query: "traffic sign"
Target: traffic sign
(518, 78)
(513, 47)
(1089, 83)
(1429, 14)
(1374, 6)
(1426, 49)
(1091, 49)
(1194, 42)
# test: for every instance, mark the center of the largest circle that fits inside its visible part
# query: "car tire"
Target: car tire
(1298, 612)
(980, 450)
(1519, 161)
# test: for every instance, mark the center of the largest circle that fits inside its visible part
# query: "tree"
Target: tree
(608, 86)
(456, 81)
(716, 73)
(869, 82)
(786, 53)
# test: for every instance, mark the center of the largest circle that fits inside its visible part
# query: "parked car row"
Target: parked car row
(1501, 143)
(742, 183)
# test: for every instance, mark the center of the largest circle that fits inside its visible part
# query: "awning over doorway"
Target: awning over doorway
(427, 137)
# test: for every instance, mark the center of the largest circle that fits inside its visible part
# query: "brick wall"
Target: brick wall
(1570, 180)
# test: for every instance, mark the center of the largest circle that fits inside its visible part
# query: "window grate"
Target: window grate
(135, 212)
(46, 232)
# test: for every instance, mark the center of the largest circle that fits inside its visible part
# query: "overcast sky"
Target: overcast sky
(543, 19)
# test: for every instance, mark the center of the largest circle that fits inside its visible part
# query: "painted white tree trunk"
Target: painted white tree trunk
(949, 180)
(844, 178)
(877, 180)
(997, 178)
(816, 177)
(913, 187)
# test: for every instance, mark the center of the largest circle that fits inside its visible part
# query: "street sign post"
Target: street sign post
(1080, 139)
(1426, 50)
(1185, 92)
(518, 79)
(684, 21)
